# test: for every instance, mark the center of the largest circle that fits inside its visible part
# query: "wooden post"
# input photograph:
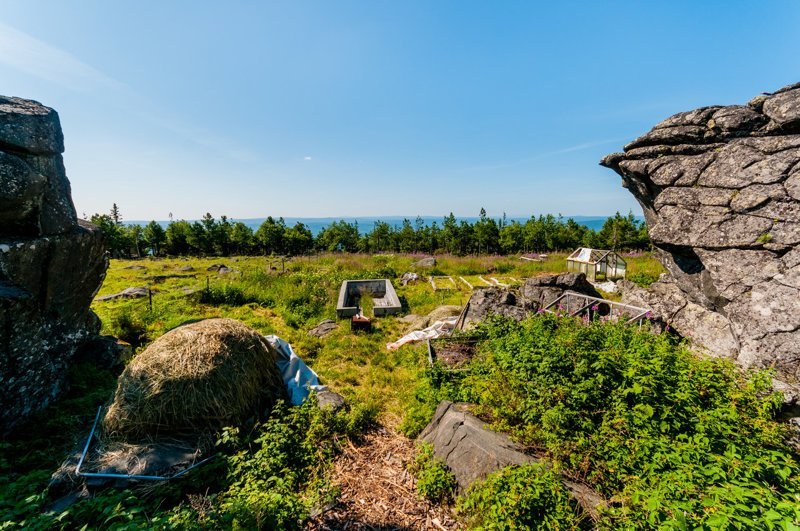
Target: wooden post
(150, 297)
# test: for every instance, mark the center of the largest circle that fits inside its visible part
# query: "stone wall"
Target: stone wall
(51, 265)
(720, 189)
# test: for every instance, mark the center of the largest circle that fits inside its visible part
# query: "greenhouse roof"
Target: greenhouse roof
(589, 256)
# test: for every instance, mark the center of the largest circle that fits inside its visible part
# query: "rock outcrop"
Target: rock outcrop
(428, 261)
(51, 264)
(720, 190)
(472, 451)
(540, 291)
(534, 294)
(324, 328)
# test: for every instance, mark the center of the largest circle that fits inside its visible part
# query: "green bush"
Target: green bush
(643, 278)
(672, 437)
(437, 384)
(275, 473)
(434, 480)
(525, 497)
(265, 477)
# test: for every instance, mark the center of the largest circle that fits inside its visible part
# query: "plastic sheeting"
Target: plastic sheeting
(439, 328)
(584, 256)
(298, 378)
(609, 286)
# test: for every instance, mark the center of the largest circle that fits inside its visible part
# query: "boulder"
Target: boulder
(534, 294)
(720, 190)
(423, 321)
(467, 447)
(408, 277)
(323, 328)
(137, 292)
(472, 451)
(541, 291)
(428, 261)
(327, 399)
(51, 264)
(410, 318)
(492, 301)
(105, 352)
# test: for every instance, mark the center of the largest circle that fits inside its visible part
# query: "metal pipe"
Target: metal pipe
(125, 476)
(88, 441)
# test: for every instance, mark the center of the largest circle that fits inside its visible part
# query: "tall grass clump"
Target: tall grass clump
(129, 325)
(231, 295)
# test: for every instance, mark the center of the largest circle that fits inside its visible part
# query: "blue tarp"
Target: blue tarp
(298, 378)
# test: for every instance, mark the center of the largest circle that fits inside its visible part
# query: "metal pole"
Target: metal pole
(125, 476)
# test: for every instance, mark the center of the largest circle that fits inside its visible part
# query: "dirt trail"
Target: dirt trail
(377, 492)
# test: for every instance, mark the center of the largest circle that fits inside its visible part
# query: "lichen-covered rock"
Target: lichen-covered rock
(492, 301)
(534, 294)
(428, 261)
(720, 190)
(51, 265)
(472, 451)
(540, 291)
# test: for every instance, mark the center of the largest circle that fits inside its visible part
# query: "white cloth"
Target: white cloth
(298, 378)
(439, 328)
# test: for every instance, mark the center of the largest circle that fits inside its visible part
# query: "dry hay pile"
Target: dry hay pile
(204, 375)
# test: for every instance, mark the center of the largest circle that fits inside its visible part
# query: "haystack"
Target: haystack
(204, 375)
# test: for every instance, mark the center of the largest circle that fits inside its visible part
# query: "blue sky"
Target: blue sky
(339, 108)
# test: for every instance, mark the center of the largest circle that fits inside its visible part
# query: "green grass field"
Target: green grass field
(290, 303)
(377, 382)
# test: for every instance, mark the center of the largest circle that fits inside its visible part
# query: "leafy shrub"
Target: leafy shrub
(672, 437)
(643, 278)
(267, 477)
(525, 497)
(434, 479)
(436, 385)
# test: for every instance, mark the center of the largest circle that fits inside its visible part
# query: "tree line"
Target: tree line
(221, 237)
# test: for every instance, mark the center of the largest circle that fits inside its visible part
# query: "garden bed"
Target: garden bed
(453, 353)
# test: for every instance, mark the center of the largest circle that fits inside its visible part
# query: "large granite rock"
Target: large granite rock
(472, 451)
(51, 265)
(720, 189)
(534, 294)
(540, 291)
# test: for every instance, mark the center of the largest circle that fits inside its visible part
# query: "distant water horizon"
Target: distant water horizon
(366, 223)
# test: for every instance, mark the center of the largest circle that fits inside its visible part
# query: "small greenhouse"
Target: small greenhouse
(598, 264)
